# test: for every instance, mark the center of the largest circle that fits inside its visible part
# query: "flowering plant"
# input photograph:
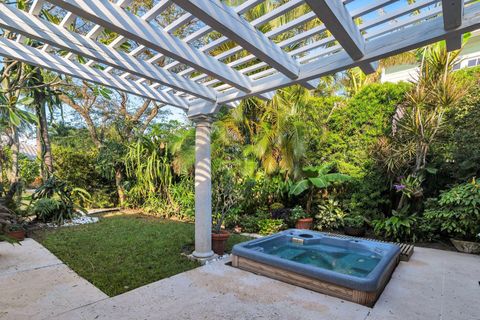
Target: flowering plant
(410, 186)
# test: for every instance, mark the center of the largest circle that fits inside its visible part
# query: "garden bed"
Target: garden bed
(123, 252)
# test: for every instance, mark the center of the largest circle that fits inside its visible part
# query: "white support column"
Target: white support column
(203, 188)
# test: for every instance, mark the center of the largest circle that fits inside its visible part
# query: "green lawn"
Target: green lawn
(121, 253)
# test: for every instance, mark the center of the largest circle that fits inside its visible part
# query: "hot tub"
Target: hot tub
(352, 269)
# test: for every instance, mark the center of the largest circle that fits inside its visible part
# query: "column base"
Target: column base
(202, 257)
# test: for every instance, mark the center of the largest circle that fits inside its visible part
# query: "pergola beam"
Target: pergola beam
(403, 40)
(148, 16)
(339, 22)
(17, 51)
(275, 13)
(114, 18)
(33, 27)
(226, 21)
(452, 19)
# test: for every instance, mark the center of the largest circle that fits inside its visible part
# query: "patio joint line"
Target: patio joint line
(31, 269)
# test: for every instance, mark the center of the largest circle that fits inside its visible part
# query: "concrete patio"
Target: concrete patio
(35, 285)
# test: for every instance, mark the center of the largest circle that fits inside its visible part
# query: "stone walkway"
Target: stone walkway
(34, 284)
(433, 285)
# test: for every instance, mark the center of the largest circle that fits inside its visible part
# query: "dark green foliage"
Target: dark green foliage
(250, 223)
(350, 128)
(54, 201)
(354, 221)
(399, 227)
(49, 210)
(456, 212)
(78, 167)
(29, 169)
(458, 153)
(369, 195)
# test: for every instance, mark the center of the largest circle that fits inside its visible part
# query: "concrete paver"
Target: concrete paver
(434, 284)
(34, 284)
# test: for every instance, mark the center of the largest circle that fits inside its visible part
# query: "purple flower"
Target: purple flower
(399, 187)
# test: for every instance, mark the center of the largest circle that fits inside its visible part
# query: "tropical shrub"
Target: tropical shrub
(250, 223)
(79, 168)
(29, 169)
(262, 190)
(183, 197)
(456, 213)
(319, 177)
(368, 196)
(329, 215)
(50, 210)
(354, 221)
(225, 196)
(298, 213)
(345, 131)
(399, 227)
(56, 202)
(458, 151)
(270, 226)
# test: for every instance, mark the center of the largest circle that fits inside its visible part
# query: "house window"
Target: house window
(472, 63)
(456, 66)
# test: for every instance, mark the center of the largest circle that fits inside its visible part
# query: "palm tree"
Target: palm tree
(44, 96)
(419, 119)
(279, 143)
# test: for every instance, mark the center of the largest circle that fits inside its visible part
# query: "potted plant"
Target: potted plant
(225, 195)
(219, 238)
(16, 231)
(7, 220)
(354, 225)
(301, 218)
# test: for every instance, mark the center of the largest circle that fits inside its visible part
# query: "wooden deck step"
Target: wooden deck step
(406, 250)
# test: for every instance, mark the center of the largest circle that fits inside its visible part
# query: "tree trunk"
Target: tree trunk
(45, 148)
(119, 185)
(92, 130)
(13, 176)
(84, 113)
(308, 208)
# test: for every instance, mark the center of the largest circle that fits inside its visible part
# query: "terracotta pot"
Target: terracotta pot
(17, 235)
(466, 246)
(354, 231)
(305, 223)
(219, 240)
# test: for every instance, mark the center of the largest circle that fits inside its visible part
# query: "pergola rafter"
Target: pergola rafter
(215, 78)
(224, 20)
(127, 24)
(338, 20)
(35, 28)
(452, 19)
(405, 40)
(37, 57)
(191, 72)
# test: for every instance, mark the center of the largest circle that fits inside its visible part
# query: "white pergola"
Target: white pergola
(182, 72)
